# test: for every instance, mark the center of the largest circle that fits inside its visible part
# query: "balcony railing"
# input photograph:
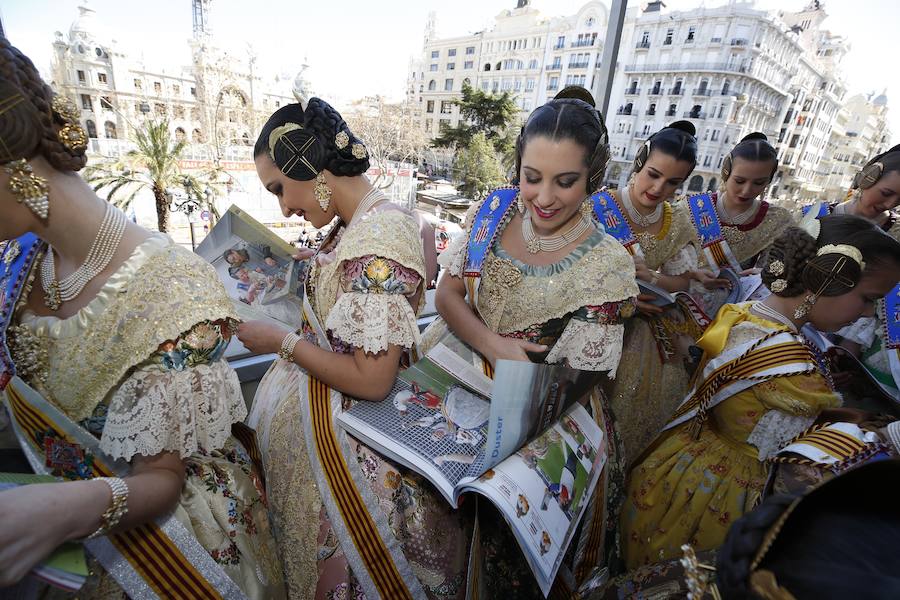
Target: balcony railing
(642, 45)
(554, 67)
(623, 111)
(670, 113)
(739, 41)
(656, 91)
(676, 91)
(688, 40)
(553, 86)
(673, 67)
(582, 44)
(702, 91)
(650, 113)
(579, 65)
(635, 91)
(715, 40)
(694, 115)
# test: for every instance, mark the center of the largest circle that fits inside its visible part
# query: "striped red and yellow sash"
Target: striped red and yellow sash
(777, 355)
(834, 442)
(359, 522)
(718, 254)
(146, 548)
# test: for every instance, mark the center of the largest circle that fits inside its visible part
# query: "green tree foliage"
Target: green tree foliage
(478, 168)
(481, 112)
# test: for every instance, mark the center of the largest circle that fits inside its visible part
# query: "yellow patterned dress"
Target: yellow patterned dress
(362, 286)
(647, 388)
(690, 491)
(141, 367)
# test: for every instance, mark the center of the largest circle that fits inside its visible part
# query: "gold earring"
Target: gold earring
(586, 208)
(322, 191)
(803, 310)
(29, 189)
(520, 204)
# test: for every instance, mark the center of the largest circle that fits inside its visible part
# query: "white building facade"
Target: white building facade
(216, 104)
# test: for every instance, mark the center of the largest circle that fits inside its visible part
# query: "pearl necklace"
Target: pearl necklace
(100, 254)
(372, 197)
(536, 244)
(740, 218)
(767, 311)
(636, 217)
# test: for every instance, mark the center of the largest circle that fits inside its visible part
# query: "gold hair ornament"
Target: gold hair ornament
(776, 267)
(844, 249)
(72, 134)
(359, 151)
(278, 133)
(341, 140)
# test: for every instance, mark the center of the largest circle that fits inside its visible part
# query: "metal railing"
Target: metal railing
(702, 91)
(642, 45)
(694, 115)
(634, 91)
(671, 67)
(655, 91)
(579, 65)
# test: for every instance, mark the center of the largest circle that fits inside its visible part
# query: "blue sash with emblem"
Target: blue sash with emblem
(608, 212)
(709, 231)
(891, 322)
(485, 227)
(822, 209)
(15, 260)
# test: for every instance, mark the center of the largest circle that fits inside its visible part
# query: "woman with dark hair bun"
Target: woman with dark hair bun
(544, 284)
(649, 387)
(760, 385)
(112, 342)
(348, 521)
(875, 195)
(749, 223)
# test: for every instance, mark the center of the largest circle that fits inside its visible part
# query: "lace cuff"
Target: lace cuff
(589, 346)
(683, 261)
(173, 410)
(373, 321)
(775, 429)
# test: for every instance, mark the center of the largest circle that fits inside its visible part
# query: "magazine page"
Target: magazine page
(256, 267)
(431, 421)
(660, 296)
(446, 420)
(527, 399)
(543, 489)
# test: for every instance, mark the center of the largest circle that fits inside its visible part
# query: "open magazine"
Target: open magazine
(523, 441)
(739, 287)
(256, 267)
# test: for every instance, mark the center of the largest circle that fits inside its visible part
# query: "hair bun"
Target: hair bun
(578, 93)
(685, 126)
(756, 135)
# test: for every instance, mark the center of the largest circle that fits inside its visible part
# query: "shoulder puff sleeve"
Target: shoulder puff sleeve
(381, 271)
(592, 340)
(793, 404)
(184, 398)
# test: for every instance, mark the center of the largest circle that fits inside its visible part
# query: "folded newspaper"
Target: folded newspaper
(523, 441)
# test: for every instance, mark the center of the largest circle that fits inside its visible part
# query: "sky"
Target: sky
(356, 48)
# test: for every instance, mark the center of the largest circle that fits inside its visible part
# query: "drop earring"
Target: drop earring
(29, 189)
(322, 192)
(802, 311)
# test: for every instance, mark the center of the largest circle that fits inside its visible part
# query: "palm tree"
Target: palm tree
(152, 165)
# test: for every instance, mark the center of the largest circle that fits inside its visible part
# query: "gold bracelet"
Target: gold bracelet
(118, 507)
(288, 344)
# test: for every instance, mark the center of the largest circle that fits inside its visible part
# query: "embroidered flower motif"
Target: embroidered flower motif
(392, 480)
(204, 336)
(378, 271)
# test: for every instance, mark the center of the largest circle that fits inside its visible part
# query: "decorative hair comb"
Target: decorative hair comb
(845, 249)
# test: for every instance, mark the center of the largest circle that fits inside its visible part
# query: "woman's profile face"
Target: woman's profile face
(657, 181)
(881, 197)
(294, 197)
(831, 313)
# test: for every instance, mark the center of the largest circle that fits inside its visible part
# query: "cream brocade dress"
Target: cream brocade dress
(141, 367)
(647, 390)
(362, 286)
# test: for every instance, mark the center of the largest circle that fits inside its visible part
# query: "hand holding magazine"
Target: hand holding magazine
(522, 441)
(257, 269)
